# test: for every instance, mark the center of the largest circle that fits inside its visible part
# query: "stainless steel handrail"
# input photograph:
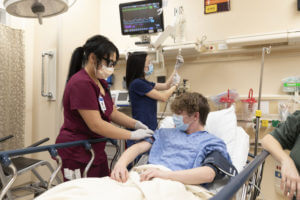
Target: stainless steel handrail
(43, 93)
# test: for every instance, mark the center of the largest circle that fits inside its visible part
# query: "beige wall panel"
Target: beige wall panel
(28, 27)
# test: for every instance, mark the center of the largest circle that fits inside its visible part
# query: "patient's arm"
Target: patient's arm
(195, 176)
(120, 172)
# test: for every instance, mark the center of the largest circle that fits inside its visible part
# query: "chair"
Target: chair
(23, 165)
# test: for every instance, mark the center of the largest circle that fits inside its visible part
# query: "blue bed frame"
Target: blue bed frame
(52, 149)
(252, 171)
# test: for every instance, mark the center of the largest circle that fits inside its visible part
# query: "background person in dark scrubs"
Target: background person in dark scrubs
(145, 94)
(89, 109)
(287, 136)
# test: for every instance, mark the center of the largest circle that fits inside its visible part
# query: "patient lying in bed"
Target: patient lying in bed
(179, 158)
(188, 150)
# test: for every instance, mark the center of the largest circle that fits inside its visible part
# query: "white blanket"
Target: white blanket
(133, 189)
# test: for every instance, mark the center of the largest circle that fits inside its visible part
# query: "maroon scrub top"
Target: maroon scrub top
(81, 93)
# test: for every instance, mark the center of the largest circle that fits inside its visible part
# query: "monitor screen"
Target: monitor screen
(141, 17)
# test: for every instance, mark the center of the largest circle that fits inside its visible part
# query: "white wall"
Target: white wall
(245, 17)
(211, 74)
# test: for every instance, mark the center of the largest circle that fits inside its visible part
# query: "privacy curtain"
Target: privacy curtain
(12, 87)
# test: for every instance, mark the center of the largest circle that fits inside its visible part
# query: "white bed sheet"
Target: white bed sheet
(133, 189)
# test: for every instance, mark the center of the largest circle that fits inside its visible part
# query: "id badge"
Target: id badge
(101, 103)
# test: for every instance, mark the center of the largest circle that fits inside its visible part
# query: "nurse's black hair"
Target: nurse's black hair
(99, 45)
(135, 66)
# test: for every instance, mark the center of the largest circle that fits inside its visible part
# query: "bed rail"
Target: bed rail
(229, 190)
(52, 149)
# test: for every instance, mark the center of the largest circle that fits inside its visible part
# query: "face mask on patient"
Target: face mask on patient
(179, 124)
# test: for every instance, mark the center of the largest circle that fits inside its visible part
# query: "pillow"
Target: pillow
(241, 149)
(222, 123)
(167, 122)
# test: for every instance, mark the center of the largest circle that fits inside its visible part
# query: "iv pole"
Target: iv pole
(258, 175)
(265, 50)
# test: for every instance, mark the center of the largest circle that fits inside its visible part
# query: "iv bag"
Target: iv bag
(180, 24)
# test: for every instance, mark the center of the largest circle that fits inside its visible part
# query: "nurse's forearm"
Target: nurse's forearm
(108, 130)
(122, 119)
(169, 92)
(161, 86)
(93, 120)
(161, 96)
(166, 85)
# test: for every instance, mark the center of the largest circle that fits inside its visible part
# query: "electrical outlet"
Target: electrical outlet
(222, 46)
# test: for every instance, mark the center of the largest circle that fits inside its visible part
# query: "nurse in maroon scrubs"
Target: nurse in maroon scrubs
(88, 109)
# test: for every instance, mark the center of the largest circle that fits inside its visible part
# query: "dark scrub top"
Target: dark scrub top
(288, 135)
(81, 92)
(144, 108)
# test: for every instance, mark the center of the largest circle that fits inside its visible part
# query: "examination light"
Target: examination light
(37, 8)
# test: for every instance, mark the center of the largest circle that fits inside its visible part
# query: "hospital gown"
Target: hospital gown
(177, 150)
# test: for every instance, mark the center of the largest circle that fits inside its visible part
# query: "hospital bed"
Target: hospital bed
(236, 139)
(7, 160)
(227, 192)
(248, 181)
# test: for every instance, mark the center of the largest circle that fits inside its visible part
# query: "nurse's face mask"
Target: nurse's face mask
(179, 123)
(149, 65)
(104, 71)
(150, 70)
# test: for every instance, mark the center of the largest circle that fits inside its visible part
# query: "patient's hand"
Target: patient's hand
(119, 173)
(290, 181)
(153, 173)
